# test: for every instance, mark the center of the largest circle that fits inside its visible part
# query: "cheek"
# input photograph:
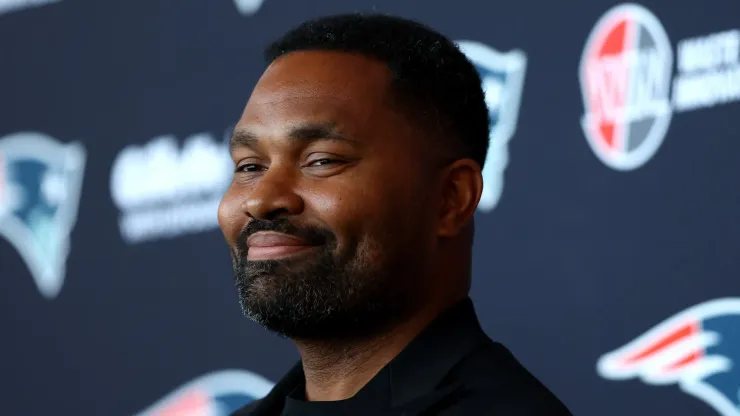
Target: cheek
(231, 217)
(381, 210)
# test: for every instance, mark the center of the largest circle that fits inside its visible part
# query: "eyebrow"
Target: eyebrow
(302, 132)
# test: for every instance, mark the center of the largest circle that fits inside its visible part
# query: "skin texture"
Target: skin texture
(381, 219)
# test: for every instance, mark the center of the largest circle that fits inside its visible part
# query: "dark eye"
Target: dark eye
(323, 162)
(248, 167)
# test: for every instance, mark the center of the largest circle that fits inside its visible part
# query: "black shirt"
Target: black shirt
(374, 397)
(451, 368)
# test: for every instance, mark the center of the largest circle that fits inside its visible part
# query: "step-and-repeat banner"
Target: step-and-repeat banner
(607, 254)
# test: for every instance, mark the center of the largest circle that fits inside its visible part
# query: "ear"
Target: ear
(462, 188)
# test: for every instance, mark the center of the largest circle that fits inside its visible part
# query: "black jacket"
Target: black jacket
(451, 368)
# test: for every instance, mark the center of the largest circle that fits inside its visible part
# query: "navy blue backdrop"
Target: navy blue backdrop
(606, 255)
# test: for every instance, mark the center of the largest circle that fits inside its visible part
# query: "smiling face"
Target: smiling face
(332, 211)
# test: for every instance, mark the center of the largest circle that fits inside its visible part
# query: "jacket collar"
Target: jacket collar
(423, 364)
(419, 369)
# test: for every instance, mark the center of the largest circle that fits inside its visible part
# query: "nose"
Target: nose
(274, 195)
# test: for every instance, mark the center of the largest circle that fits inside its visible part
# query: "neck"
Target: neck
(338, 370)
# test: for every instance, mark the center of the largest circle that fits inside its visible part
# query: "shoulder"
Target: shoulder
(246, 410)
(491, 365)
(495, 380)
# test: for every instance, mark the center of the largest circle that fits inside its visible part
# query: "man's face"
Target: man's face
(330, 215)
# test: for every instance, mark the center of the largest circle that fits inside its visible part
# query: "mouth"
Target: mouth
(273, 246)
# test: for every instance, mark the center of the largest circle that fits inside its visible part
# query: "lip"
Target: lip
(273, 239)
(265, 245)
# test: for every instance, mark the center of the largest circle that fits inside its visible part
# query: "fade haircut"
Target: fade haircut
(432, 80)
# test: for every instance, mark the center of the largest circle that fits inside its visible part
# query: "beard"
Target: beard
(326, 294)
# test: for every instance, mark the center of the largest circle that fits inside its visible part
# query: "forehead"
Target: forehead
(348, 90)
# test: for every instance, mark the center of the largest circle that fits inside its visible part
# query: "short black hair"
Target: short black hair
(432, 78)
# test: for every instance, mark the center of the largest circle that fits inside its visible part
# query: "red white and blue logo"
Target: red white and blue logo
(216, 394)
(625, 75)
(698, 349)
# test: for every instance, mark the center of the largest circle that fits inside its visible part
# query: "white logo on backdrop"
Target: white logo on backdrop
(164, 190)
(248, 7)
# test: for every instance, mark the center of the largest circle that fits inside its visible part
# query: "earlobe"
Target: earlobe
(461, 192)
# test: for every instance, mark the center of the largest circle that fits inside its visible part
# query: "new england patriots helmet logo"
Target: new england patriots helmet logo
(40, 184)
(698, 349)
(502, 75)
(216, 394)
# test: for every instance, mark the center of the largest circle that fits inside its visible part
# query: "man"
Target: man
(350, 220)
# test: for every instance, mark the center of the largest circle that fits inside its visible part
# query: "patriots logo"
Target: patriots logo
(698, 349)
(40, 185)
(502, 75)
(216, 394)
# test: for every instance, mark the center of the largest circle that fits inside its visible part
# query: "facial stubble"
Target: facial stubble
(326, 294)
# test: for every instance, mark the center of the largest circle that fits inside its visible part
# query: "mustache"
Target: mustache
(311, 235)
